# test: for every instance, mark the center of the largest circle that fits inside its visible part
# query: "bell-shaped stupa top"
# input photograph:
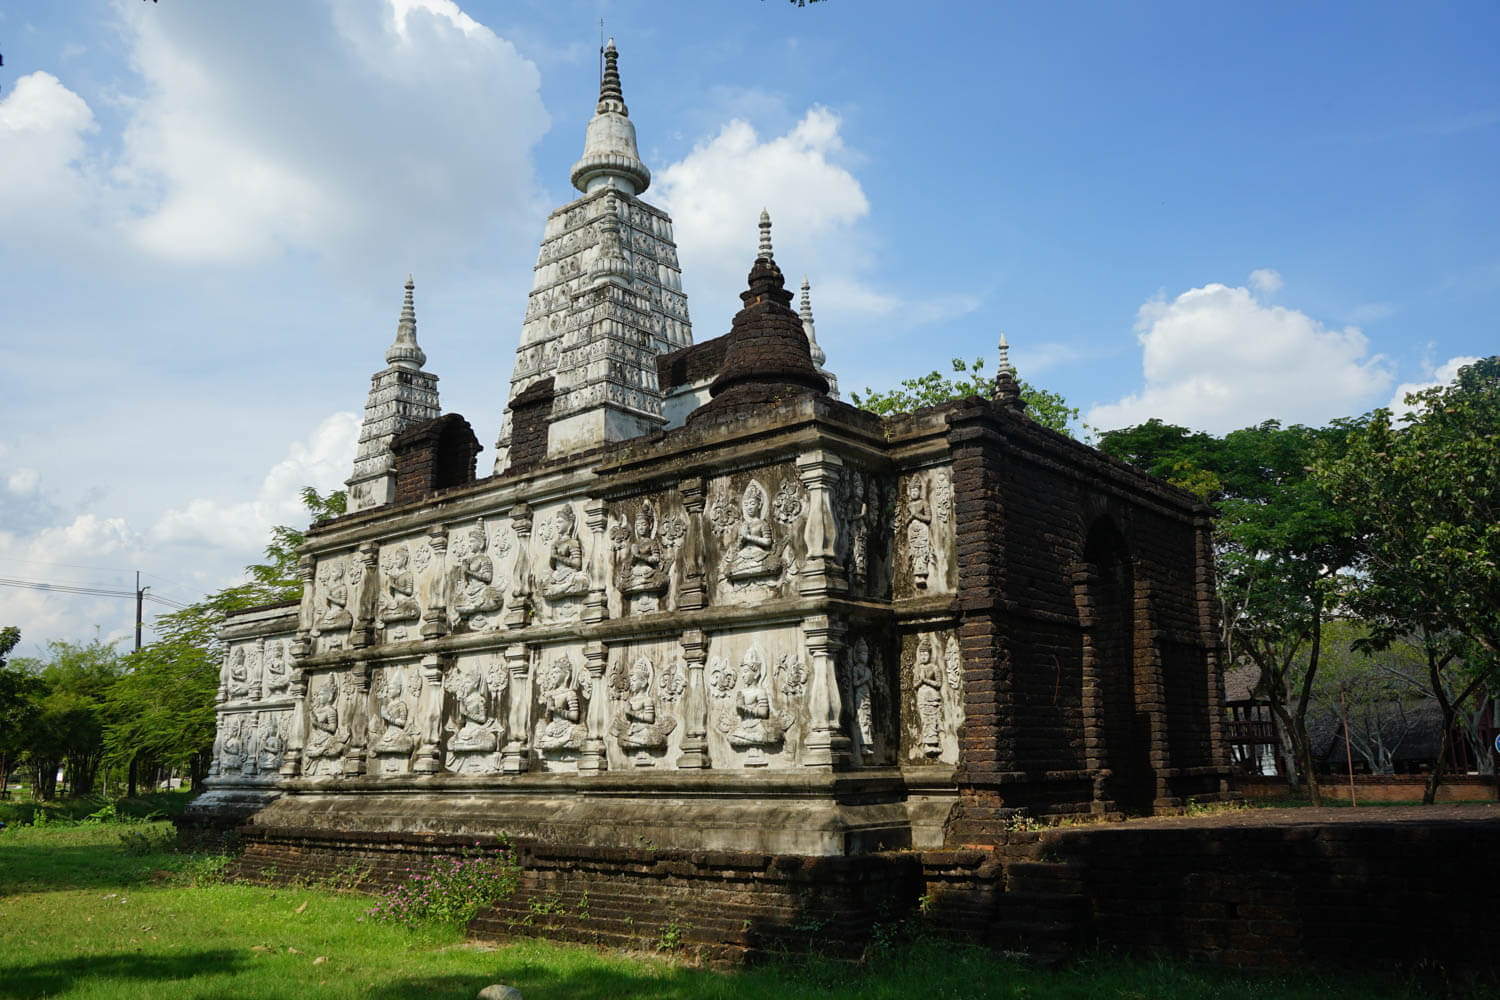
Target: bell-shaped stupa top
(610, 157)
(404, 352)
(767, 357)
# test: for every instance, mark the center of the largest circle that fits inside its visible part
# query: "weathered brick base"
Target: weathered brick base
(1376, 893)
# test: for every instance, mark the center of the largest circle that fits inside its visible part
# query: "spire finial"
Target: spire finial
(611, 97)
(404, 352)
(804, 312)
(1005, 356)
(765, 236)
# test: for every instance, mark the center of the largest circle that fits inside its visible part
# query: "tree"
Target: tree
(67, 729)
(1281, 547)
(1378, 692)
(1425, 497)
(1044, 406)
(19, 693)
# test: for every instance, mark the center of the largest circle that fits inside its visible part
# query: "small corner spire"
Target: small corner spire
(819, 356)
(611, 97)
(765, 236)
(1007, 390)
(404, 351)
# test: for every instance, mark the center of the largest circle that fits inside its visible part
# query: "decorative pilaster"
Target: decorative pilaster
(695, 699)
(692, 592)
(515, 758)
(827, 745)
(296, 737)
(596, 606)
(307, 568)
(429, 759)
(519, 609)
(435, 618)
(364, 599)
(593, 759)
(260, 668)
(820, 472)
(357, 712)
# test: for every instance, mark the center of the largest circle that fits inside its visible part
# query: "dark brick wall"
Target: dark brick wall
(530, 416)
(434, 455)
(1089, 647)
(1374, 894)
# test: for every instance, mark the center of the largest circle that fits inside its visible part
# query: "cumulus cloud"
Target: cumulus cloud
(1440, 375)
(73, 552)
(323, 461)
(345, 129)
(44, 130)
(715, 195)
(1218, 358)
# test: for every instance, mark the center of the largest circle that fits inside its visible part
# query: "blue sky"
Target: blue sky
(1212, 213)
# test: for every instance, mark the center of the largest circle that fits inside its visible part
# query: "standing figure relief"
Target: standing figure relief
(918, 529)
(929, 696)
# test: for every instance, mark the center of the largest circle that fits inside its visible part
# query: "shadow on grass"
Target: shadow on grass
(49, 978)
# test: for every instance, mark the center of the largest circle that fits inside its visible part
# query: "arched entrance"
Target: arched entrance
(1119, 724)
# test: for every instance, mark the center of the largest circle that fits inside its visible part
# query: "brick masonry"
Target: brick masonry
(1400, 893)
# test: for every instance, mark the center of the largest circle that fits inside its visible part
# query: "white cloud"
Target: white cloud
(350, 130)
(71, 553)
(715, 195)
(23, 481)
(1439, 375)
(1266, 280)
(1216, 358)
(322, 461)
(43, 131)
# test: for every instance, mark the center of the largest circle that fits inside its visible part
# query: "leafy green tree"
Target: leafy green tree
(19, 694)
(67, 729)
(1425, 496)
(1044, 406)
(1282, 549)
(1379, 691)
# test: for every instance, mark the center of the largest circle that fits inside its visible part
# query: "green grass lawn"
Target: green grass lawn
(80, 917)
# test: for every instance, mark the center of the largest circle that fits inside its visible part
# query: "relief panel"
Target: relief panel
(645, 683)
(474, 709)
(932, 697)
(922, 518)
(757, 682)
(755, 546)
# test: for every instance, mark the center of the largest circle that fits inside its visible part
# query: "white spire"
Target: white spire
(819, 357)
(404, 352)
(1005, 357)
(610, 157)
(765, 235)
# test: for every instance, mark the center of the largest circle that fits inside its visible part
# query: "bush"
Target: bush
(450, 890)
(138, 843)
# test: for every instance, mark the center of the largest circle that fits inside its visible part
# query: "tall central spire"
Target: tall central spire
(606, 301)
(610, 157)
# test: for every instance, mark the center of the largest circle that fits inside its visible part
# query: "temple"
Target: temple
(701, 605)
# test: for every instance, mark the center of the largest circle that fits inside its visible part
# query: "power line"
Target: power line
(63, 588)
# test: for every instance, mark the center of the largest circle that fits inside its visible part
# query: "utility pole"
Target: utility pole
(140, 595)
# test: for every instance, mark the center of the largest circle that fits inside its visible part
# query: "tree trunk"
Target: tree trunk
(130, 792)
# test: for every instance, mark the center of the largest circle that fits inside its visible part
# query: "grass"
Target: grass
(80, 918)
